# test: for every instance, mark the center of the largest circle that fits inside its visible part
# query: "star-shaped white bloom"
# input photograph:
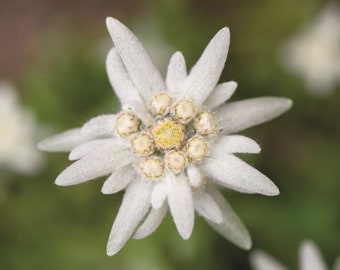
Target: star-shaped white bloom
(17, 134)
(310, 258)
(171, 143)
(314, 54)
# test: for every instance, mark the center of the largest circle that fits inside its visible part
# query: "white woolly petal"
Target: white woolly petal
(159, 194)
(194, 176)
(100, 126)
(135, 205)
(151, 223)
(310, 257)
(63, 142)
(141, 70)
(102, 162)
(176, 75)
(119, 78)
(260, 260)
(86, 148)
(238, 175)
(204, 76)
(231, 227)
(220, 94)
(180, 203)
(127, 93)
(240, 115)
(233, 144)
(206, 206)
(119, 180)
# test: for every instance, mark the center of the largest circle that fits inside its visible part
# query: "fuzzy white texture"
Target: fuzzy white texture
(314, 53)
(17, 134)
(98, 150)
(310, 258)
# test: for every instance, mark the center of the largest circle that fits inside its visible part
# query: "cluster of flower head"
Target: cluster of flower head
(176, 139)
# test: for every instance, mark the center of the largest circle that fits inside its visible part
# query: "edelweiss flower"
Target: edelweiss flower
(17, 131)
(310, 258)
(314, 54)
(170, 143)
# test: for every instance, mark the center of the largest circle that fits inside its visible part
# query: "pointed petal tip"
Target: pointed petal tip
(272, 191)
(73, 156)
(186, 235)
(233, 83)
(104, 190)
(60, 182)
(112, 23)
(287, 103)
(245, 242)
(224, 33)
(246, 245)
(178, 54)
(110, 251)
(109, 21)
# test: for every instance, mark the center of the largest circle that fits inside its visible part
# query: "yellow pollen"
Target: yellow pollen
(168, 135)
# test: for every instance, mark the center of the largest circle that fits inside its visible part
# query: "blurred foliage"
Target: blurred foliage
(43, 226)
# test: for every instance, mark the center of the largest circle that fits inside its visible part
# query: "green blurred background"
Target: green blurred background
(54, 52)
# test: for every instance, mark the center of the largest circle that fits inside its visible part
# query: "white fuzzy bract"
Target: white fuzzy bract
(189, 130)
(17, 134)
(310, 258)
(314, 54)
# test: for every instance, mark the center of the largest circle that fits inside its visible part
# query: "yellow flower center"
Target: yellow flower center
(168, 135)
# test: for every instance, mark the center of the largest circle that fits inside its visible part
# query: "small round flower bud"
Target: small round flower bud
(205, 123)
(160, 104)
(183, 110)
(151, 167)
(126, 124)
(142, 144)
(196, 148)
(176, 161)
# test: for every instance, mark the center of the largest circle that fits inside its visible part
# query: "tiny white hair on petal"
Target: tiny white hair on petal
(119, 78)
(124, 88)
(140, 67)
(195, 177)
(119, 180)
(100, 163)
(151, 223)
(180, 203)
(134, 207)
(260, 260)
(86, 148)
(63, 142)
(240, 115)
(206, 206)
(220, 94)
(176, 75)
(233, 144)
(205, 74)
(238, 175)
(310, 257)
(100, 126)
(231, 227)
(159, 195)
